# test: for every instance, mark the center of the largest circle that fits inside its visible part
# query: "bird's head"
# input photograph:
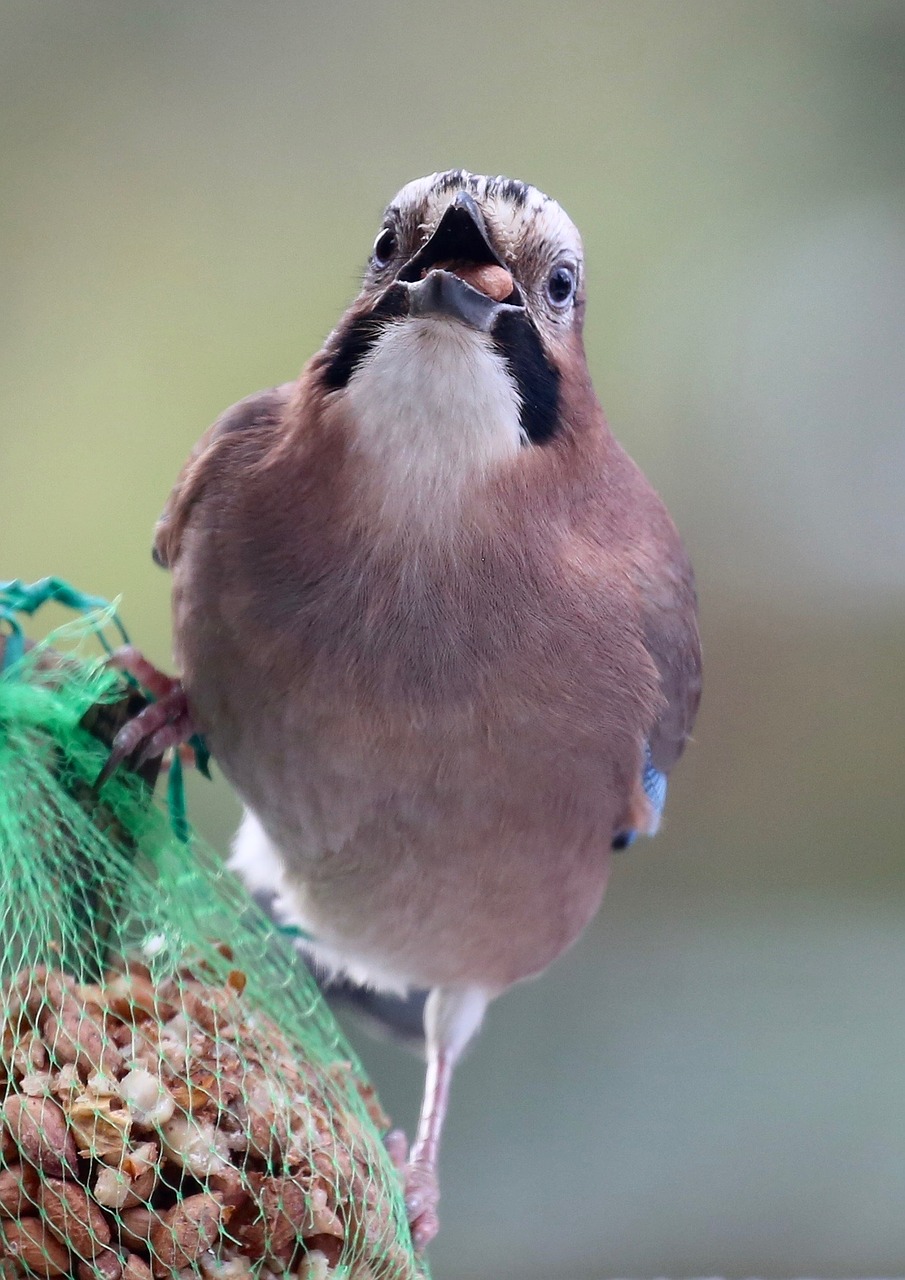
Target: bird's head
(461, 346)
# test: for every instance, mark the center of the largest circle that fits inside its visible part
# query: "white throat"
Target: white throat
(435, 409)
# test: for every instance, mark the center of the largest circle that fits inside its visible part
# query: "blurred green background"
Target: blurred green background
(712, 1081)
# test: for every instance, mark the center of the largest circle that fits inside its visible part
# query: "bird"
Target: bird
(437, 628)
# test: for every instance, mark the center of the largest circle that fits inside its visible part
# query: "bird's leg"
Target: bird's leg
(451, 1017)
(164, 723)
(422, 1188)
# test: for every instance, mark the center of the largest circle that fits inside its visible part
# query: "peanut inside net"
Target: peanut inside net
(177, 1099)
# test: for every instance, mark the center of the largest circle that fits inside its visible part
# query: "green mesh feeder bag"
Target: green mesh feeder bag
(177, 1098)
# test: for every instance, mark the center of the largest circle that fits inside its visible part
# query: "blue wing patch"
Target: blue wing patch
(655, 784)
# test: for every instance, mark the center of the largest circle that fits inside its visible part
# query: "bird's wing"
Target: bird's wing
(667, 616)
(671, 636)
(255, 412)
(668, 603)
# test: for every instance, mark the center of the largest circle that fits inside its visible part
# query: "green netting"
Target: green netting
(177, 1097)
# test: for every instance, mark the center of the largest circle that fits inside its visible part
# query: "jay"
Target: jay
(437, 628)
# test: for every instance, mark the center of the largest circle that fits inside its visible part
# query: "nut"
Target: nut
(230, 1185)
(321, 1218)
(142, 1160)
(67, 1082)
(269, 1111)
(196, 1145)
(132, 995)
(29, 1241)
(28, 1055)
(329, 1246)
(122, 1189)
(18, 1190)
(314, 1266)
(368, 1095)
(36, 1084)
(181, 1235)
(100, 1129)
(72, 1216)
(149, 1102)
(226, 1265)
(9, 1152)
(74, 1033)
(25, 995)
(133, 1183)
(39, 1127)
(135, 1268)
(495, 281)
(278, 1224)
(106, 1264)
(112, 1187)
(135, 1227)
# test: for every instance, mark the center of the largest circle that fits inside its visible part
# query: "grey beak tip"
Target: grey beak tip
(441, 293)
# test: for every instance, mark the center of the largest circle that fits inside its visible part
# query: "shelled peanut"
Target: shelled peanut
(160, 1129)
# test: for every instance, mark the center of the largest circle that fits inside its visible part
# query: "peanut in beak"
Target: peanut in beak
(487, 278)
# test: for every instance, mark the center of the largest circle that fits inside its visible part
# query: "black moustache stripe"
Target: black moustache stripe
(516, 338)
(356, 341)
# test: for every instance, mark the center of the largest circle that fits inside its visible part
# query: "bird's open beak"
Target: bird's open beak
(458, 274)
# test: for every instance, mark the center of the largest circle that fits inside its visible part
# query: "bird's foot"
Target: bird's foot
(422, 1196)
(164, 723)
(422, 1192)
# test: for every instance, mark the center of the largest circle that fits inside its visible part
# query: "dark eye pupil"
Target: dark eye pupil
(384, 247)
(560, 285)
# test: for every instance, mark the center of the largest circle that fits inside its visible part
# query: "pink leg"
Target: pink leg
(451, 1018)
(135, 664)
(422, 1187)
(165, 723)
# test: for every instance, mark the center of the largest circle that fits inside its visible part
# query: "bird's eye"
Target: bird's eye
(561, 285)
(384, 247)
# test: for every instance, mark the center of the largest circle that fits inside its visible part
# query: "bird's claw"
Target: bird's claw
(422, 1196)
(164, 723)
(422, 1191)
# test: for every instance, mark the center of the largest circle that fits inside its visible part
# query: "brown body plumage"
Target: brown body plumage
(434, 701)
